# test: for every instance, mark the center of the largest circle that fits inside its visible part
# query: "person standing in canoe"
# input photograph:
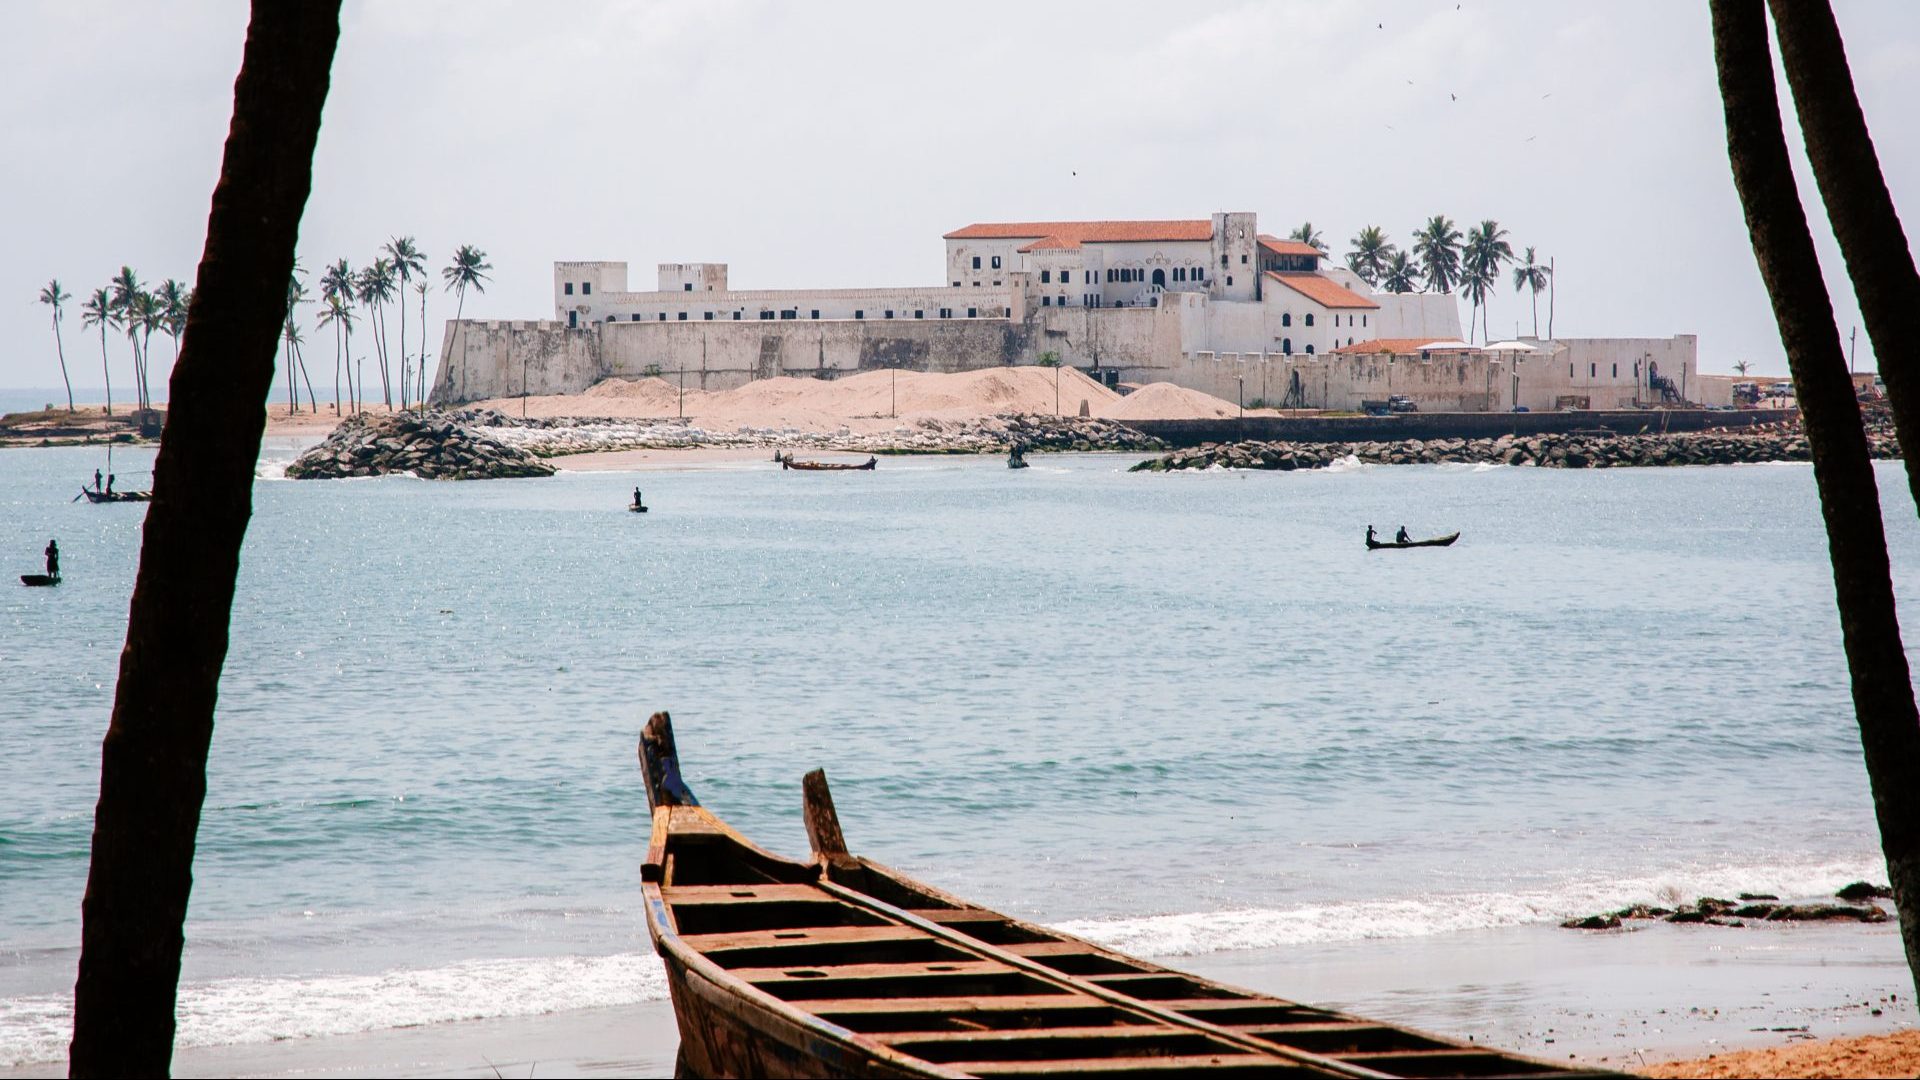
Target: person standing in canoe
(96, 480)
(53, 558)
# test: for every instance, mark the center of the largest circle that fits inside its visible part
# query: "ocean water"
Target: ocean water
(1181, 713)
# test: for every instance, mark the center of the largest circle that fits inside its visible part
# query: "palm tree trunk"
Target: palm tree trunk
(422, 396)
(62, 347)
(406, 377)
(336, 369)
(300, 358)
(1536, 309)
(1552, 284)
(1849, 500)
(1847, 171)
(460, 305)
(153, 760)
(380, 337)
(106, 371)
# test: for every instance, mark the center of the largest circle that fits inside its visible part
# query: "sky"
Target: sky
(831, 144)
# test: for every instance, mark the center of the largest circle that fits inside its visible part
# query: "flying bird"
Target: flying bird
(1454, 96)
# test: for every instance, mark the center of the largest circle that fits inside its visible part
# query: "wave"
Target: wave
(1350, 463)
(1194, 933)
(256, 1010)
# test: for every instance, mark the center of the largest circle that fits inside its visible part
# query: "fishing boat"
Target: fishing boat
(828, 466)
(39, 579)
(839, 966)
(116, 496)
(1438, 541)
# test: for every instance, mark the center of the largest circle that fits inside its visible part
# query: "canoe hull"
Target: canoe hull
(720, 1036)
(116, 496)
(37, 580)
(1438, 541)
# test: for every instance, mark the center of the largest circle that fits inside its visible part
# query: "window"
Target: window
(586, 288)
(569, 288)
(1199, 273)
(1593, 371)
(1309, 318)
(1046, 276)
(859, 313)
(1230, 285)
(976, 262)
(663, 317)
(1046, 301)
(736, 316)
(1109, 275)
(1309, 350)
(976, 284)
(956, 284)
(573, 319)
(1088, 276)
(687, 287)
(789, 313)
(889, 313)
(973, 313)
(1286, 318)
(1243, 260)
(1223, 258)
(635, 317)
(1616, 371)
(816, 312)
(766, 314)
(919, 313)
(1286, 345)
(1363, 320)
(996, 284)
(681, 316)
(996, 262)
(707, 315)
(1569, 371)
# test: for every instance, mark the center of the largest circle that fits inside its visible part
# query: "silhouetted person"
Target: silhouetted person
(53, 558)
(636, 497)
(1401, 537)
(1370, 536)
(109, 483)
(96, 479)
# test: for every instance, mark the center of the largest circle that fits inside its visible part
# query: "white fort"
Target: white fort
(1208, 303)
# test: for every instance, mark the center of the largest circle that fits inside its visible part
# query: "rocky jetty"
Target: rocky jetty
(1593, 450)
(430, 445)
(1750, 907)
(557, 436)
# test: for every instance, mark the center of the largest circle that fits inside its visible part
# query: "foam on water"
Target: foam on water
(1254, 928)
(227, 1012)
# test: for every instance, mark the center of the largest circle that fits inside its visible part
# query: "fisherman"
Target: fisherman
(636, 497)
(1370, 536)
(53, 558)
(96, 479)
(1401, 537)
(109, 483)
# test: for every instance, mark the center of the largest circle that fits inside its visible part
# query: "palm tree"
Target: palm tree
(1306, 235)
(1438, 246)
(98, 311)
(407, 262)
(1485, 252)
(174, 300)
(126, 293)
(1370, 254)
(1883, 700)
(337, 312)
(421, 288)
(376, 290)
(1740, 368)
(337, 284)
(151, 312)
(153, 761)
(1847, 170)
(290, 331)
(1533, 276)
(468, 270)
(53, 296)
(1400, 274)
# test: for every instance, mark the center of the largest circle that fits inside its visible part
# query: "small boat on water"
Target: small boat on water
(842, 967)
(828, 466)
(116, 496)
(1438, 541)
(39, 579)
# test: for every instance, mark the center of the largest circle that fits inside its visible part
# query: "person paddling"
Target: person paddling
(1370, 536)
(53, 558)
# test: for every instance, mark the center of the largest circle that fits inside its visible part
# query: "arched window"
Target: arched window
(1309, 318)
(1286, 318)
(1286, 345)
(1309, 350)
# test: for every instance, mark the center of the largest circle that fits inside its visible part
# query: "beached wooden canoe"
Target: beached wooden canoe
(842, 967)
(1438, 541)
(828, 466)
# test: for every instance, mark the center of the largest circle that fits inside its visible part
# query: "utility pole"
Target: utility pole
(1240, 398)
(681, 408)
(893, 391)
(1851, 335)
(1056, 388)
(1551, 279)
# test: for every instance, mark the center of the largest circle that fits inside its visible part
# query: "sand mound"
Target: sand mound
(1165, 401)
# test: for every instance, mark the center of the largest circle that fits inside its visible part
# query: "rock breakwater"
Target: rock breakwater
(430, 445)
(1598, 450)
(558, 436)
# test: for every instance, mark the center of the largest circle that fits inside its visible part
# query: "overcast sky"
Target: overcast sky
(831, 145)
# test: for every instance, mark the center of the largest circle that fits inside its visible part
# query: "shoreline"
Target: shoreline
(1626, 999)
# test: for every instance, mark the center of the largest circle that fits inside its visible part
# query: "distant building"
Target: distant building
(1210, 303)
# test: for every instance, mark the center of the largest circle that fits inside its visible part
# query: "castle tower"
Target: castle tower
(1234, 270)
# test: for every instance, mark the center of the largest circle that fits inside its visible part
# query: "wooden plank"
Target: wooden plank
(810, 935)
(741, 894)
(1056, 948)
(773, 976)
(953, 1005)
(950, 916)
(1102, 1066)
(1117, 1031)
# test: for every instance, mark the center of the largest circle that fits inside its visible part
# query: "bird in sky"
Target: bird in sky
(1454, 96)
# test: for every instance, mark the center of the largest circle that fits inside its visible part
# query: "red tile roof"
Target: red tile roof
(1075, 233)
(1322, 290)
(1049, 243)
(1397, 346)
(1289, 247)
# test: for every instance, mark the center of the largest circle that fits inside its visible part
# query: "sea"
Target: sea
(1185, 714)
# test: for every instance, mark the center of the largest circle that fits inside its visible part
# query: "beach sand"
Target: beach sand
(1627, 1000)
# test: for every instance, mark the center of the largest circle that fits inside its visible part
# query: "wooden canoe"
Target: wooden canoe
(1438, 541)
(116, 496)
(842, 967)
(39, 580)
(828, 466)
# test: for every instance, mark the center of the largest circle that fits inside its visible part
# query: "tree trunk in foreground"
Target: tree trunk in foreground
(153, 762)
(1847, 171)
(1849, 501)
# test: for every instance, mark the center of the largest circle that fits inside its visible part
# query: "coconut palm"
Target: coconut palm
(337, 312)
(1482, 257)
(290, 330)
(53, 296)
(468, 270)
(151, 313)
(1740, 368)
(1438, 246)
(407, 262)
(376, 291)
(98, 311)
(421, 288)
(1532, 275)
(174, 299)
(1762, 169)
(338, 282)
(1370, 253)
(126, 293)
(1400, 275)
(1306, 235)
